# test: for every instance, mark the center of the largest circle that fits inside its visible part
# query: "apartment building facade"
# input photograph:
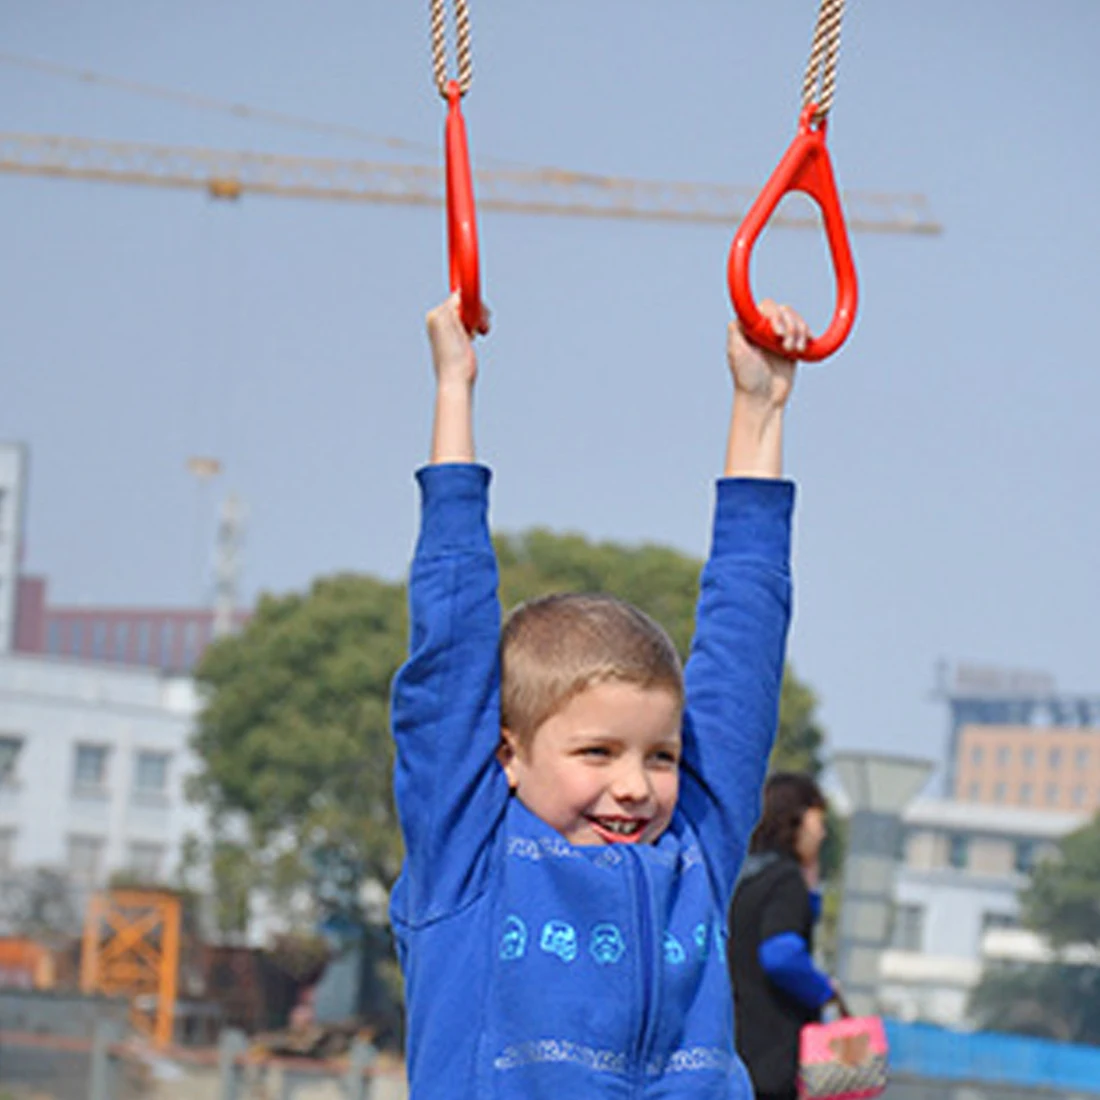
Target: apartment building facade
(956, 894)
(1055, 768)
(94, 762)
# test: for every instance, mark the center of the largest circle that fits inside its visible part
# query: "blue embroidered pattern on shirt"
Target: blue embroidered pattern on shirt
(513, 944)
(685, 1060)
(545, 847)
(692, 856)
(607, 857)
(720, 940)
(691, 1060)
(700, 936)
(607, 944)
(559, 938)
(560, 1050)
(673, 949)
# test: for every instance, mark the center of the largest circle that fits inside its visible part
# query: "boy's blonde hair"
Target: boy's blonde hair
(557, 646)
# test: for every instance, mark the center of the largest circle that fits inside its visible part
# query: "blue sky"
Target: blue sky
(947, 457)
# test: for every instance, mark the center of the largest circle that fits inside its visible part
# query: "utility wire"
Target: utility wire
(210, 103)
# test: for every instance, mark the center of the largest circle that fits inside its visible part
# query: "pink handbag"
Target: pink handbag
(842, 1060)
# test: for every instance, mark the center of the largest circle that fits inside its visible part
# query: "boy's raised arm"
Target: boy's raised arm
(445, 706)
(735, 671)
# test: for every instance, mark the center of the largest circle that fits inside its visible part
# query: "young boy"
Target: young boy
(575, 808)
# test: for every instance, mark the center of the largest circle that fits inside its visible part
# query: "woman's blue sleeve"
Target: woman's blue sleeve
(787, 963)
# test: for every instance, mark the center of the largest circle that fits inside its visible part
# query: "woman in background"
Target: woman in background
(777, 989)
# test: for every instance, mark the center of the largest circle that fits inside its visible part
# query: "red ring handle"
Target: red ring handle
(805, 167)
(461, 214)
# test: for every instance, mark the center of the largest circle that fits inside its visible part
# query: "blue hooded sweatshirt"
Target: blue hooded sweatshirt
(535, 969)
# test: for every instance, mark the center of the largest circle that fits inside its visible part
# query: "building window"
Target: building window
(1081, 758)
(1028, 756)
(993, 921)
(90, 770)
(143, 643)
(1025, 854)
(958, 851)
(151, 773)
(1004, 754)
(146, 861)
(1078, 796)
(907, 933)
(76, 639)
(1027, 793)
(85, 859)
(974, 792)
(999, 791)
(7, 849)
(99, 639)
(53, 638)
(167, 643)
(122, 641)
(1054, 758)
(1052, 794)
(976, 755)
(10, 748)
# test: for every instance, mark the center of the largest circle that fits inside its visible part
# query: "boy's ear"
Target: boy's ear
(507, 751)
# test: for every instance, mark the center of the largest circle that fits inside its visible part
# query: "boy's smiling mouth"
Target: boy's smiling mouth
(619, 830)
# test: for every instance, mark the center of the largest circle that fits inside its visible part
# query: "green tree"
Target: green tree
(1057, 1001)
(1060, 999)
(294, 742)
(1063, 900)
(295, 748)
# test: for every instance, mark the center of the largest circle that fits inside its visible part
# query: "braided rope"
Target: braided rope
(462, 45)
(819, 84)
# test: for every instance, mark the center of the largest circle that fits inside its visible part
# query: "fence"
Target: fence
(104, 1068)
(932, 1062)
(927, 1063)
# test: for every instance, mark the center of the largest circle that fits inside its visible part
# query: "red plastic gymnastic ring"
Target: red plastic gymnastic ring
(461, 214)
(805, 167)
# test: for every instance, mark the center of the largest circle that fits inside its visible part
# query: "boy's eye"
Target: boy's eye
(596, 751)
(667, 757)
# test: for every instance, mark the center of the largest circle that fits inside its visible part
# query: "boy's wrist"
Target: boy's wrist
(754, 403)
(755, 446)
(454, 387)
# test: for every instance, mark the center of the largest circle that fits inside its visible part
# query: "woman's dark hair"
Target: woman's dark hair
(787, 797)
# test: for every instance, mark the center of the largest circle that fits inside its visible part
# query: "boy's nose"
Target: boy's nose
(631, 784)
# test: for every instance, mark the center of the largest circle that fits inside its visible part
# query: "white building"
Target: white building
(956, 898)
(93, 762)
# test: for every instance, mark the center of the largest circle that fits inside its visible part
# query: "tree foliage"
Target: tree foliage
(1063, 900)
(1059, 999)
(294, 743)
(41, 903)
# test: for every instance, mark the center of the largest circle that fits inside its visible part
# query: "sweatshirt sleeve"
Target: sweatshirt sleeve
(450, 791)
(735, 671)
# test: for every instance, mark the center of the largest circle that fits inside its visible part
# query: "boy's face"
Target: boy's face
(605, 769)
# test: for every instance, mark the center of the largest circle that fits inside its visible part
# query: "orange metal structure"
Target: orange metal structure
(132, 949)
(25, 964)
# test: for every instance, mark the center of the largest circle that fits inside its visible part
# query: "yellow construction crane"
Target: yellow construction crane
(548, 191)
